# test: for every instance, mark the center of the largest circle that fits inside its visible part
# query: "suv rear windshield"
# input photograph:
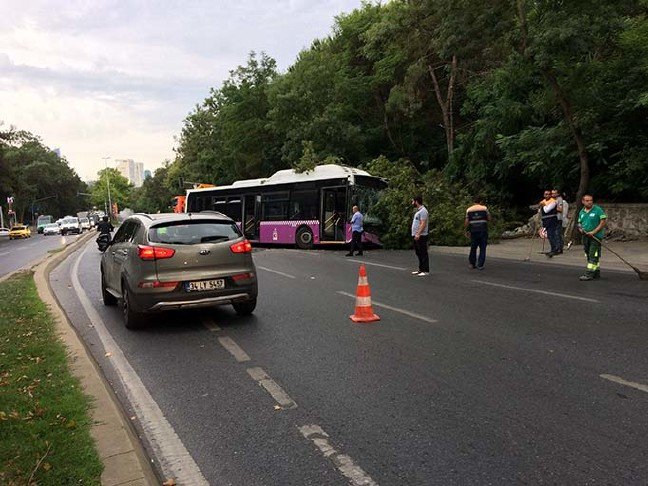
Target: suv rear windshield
(193, 232)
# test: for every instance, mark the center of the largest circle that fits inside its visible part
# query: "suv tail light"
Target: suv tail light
(241, 247)
(154, 252)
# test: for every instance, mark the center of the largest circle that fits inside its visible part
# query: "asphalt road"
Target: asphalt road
(517, 374)
(15, 254)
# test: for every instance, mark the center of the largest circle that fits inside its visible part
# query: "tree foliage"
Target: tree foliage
(111, 185)
(156, 193)
(36, 177)
(504, 98)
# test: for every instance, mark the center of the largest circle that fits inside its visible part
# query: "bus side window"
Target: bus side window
(275, 206)
(304, 204)
(233, 208)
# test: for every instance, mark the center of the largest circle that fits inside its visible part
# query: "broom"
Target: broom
(642, 275)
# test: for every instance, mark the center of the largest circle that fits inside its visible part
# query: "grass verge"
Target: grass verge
(44, 419)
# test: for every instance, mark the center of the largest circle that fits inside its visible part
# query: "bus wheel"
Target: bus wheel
(304, 238)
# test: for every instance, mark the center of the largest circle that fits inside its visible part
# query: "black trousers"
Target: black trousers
(479, 240)
(550, 224)
(356, 242)
(421, 250)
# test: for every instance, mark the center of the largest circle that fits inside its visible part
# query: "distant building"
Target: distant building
(147, 174)
(131, 170)
(57, 151)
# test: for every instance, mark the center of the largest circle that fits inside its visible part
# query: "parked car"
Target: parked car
(167, 261)
(4, 232)
(19, 231)
(85, 224)
(70, 224)
(51, 229)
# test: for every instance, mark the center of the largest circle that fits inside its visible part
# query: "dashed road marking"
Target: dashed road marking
(356, 475)
(271, 386)
(621, 381)
(211, 325)
(375, 264)
(536, 291)
(277, 272)
(395, 309)
(5, 253)
(234, 349)
(170, 452)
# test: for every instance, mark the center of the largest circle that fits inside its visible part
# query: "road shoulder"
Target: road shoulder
(124, 459)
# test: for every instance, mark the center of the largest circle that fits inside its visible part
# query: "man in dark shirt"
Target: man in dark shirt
(104, 227)
(476, 224)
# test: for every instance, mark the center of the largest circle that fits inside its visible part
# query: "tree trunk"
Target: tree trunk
(583, 155)
(447, 107)
(521, 11)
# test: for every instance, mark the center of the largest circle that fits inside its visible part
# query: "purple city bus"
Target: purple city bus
(302, 209)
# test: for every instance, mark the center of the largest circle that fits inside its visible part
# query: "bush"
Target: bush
(446, 202)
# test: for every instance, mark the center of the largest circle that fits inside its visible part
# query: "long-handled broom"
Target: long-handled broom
(642, 275)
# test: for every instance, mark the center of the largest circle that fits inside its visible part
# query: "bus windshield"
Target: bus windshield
(366, 194)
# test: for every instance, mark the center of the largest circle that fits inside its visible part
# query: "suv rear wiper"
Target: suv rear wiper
(205, 239)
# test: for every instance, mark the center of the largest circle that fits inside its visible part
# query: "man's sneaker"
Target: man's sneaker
(550, 254)
(423, 274)
(480, 268)
(416, 272)
(559, 252)
(585, 278)
(471, 266)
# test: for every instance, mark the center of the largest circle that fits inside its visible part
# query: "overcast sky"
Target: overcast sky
(116, 78)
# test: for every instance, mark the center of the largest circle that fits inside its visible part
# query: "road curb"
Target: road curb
(124, 459)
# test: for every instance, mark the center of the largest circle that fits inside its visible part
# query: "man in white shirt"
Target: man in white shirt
(420, 236)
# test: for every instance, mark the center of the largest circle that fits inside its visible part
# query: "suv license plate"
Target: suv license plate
(203, 285)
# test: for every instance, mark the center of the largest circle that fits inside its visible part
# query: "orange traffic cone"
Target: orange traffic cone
(363, 310)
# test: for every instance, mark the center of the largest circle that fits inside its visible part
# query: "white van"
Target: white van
(70, 224)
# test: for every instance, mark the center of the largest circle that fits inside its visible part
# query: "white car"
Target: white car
(51, 229)
(4, 232)
(85, 224)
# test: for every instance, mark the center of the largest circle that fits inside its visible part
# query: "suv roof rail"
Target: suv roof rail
(143, 214)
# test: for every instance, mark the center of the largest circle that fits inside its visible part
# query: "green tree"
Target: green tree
(111, 180)
(38, 179)
(154, 195)
(226, 137)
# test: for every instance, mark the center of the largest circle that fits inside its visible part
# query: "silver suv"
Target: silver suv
(158, 262)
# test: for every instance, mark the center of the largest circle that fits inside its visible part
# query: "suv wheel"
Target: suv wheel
(245, 308)
(132, 320)
(108, 298)
(304, 238)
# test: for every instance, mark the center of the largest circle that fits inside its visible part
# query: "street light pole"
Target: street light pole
(34, 202)
(108, 185)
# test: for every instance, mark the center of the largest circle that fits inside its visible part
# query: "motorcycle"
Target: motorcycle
(103, 242)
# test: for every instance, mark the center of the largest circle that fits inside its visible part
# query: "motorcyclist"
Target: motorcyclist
(104, 227)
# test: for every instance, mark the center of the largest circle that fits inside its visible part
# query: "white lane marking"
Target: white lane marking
(395, 309)
(356, 475)
(543, 292)
(375, 264)
(173, 457)
(277, 272)
(234, 349)
(271, 386)
(5, 253)
(211, 325)
(621, 381)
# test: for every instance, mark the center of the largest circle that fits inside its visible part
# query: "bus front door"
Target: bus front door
(250, 217)
(333, 214)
